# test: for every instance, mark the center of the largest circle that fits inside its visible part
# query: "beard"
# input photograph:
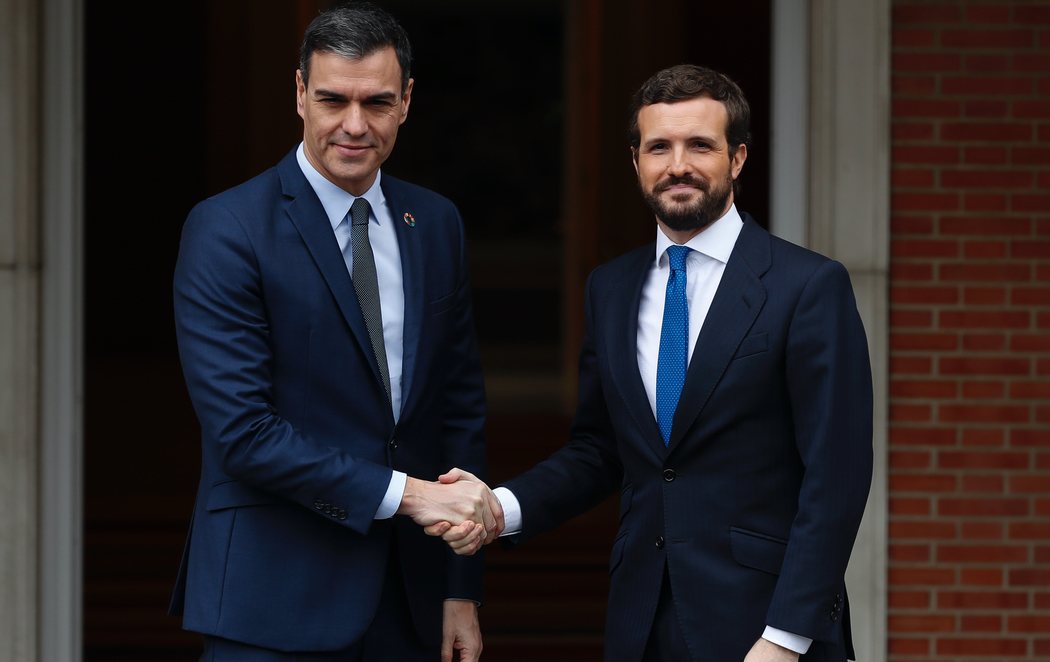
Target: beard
(684, 216)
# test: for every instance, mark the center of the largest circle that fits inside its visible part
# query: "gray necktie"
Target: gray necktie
(366, 285)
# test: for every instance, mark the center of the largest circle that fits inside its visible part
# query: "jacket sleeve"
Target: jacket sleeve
(223, 330)
(829, 385)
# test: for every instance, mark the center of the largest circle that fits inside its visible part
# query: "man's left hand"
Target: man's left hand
(767, 651)
(460, 632)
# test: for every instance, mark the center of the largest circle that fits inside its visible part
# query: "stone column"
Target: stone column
(849, 221)
(19, 327)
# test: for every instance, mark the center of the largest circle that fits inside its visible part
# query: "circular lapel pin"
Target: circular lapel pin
(410, 220)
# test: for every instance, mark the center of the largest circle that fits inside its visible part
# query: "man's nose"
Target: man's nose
(678, 164)
(354, 122)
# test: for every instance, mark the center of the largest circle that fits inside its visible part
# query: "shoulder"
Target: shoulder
(628, 266)
(239, 205)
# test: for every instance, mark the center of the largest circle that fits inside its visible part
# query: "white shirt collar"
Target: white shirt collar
(715, 241)
(336, 201)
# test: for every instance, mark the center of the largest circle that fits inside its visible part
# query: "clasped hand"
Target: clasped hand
(459, 507)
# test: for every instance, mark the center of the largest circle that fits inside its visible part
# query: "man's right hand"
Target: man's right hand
(460, 498)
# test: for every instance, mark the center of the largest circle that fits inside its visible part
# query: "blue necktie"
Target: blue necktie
(674, 343)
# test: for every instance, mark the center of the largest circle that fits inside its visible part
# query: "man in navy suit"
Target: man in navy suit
(326, 336)
(725, 392)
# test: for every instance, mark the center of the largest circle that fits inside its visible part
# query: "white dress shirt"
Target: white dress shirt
(705, 264)
(383, 237)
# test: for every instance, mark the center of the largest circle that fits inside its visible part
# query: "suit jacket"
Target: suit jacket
(754, 505)
(298, 438)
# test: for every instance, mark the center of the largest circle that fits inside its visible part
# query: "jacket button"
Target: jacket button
(659, 542)
(318, 504)
(669, 475)
(393, 444)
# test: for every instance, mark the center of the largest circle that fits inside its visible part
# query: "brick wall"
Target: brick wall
(970, 331)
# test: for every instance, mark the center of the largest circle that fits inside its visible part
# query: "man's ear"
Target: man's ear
(738, 158)
(634, 158)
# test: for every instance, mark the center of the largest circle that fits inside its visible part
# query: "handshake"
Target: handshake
(460, 508)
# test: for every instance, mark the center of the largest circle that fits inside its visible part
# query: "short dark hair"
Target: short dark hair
(687, 81)
(355, 30)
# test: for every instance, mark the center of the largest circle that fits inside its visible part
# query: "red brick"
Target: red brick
(981, 577)
(1042, 554)
(984, 202)
(1028, 623)
(928, 154)
(901, 506)
(983, 366)
(910, 413)
(986, 87)
(988, 14)
(922, 108)
(1030, 343)
(1003, 271)
(981, 600)
(908, 599)
(984, 179)
(1031, 109)
(982, 647)
(911, 179)
(1030, 155)
(982, 531)
(921, 623)
(924, 248)
(899, 646)
(994, 483)
(926, 62)
(904, 85)
(902, 271)
(922, 483)
(1030, 390)
(983, 507)
(1044, 132)
(1028, 14)
(914, 319)
(1042, 647)
(983, 39)
(921, 576)
(1042, 320)
(1038, 577)
(983, 296)
(1030, 202)
(1042, 414)
(909, 460)
(924, 530)
(985, 155)
(925, 201)
(1030, 296)
(915, 365)
(903, 38)
(923, 341)
(986, 131)
(911, 130)
(984, 319)
(986, 109)
(1034, 62)
(983, 414)
(984, 342)
(982, 623)
(985, 225)
(1030, 249)
(1042, 461)
(922, 436)
(1042, 600)
(1023, 438)
(1042, 272)
(925, 295)
(936, 14)
(1029, 484)
(986, 63)
(923, 389)
(1030, 530)
(1042, 507)
(983, 437)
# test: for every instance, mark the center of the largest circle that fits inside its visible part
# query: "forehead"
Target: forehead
(375, 72)
(697, 116)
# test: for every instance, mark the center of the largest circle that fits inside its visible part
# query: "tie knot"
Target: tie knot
(676, 256)
(359, 212)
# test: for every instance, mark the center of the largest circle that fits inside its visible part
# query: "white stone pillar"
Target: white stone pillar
(849, 221)
(19, 318)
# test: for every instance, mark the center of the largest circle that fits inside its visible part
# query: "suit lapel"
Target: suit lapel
(309, 218)
(623, 344)
(411, 250)
(737, 302)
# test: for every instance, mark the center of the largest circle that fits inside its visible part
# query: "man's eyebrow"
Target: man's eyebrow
(328, 94)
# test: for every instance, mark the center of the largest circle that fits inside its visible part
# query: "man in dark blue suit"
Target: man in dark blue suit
(725, 392)
(326, 336)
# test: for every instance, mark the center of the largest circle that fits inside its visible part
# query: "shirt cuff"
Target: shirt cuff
(395, 491)
(794, 642)
(511, 511)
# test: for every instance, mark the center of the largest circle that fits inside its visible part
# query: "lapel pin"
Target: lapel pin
(410, 220)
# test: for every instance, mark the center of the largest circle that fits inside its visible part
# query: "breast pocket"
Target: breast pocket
(755, 344)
